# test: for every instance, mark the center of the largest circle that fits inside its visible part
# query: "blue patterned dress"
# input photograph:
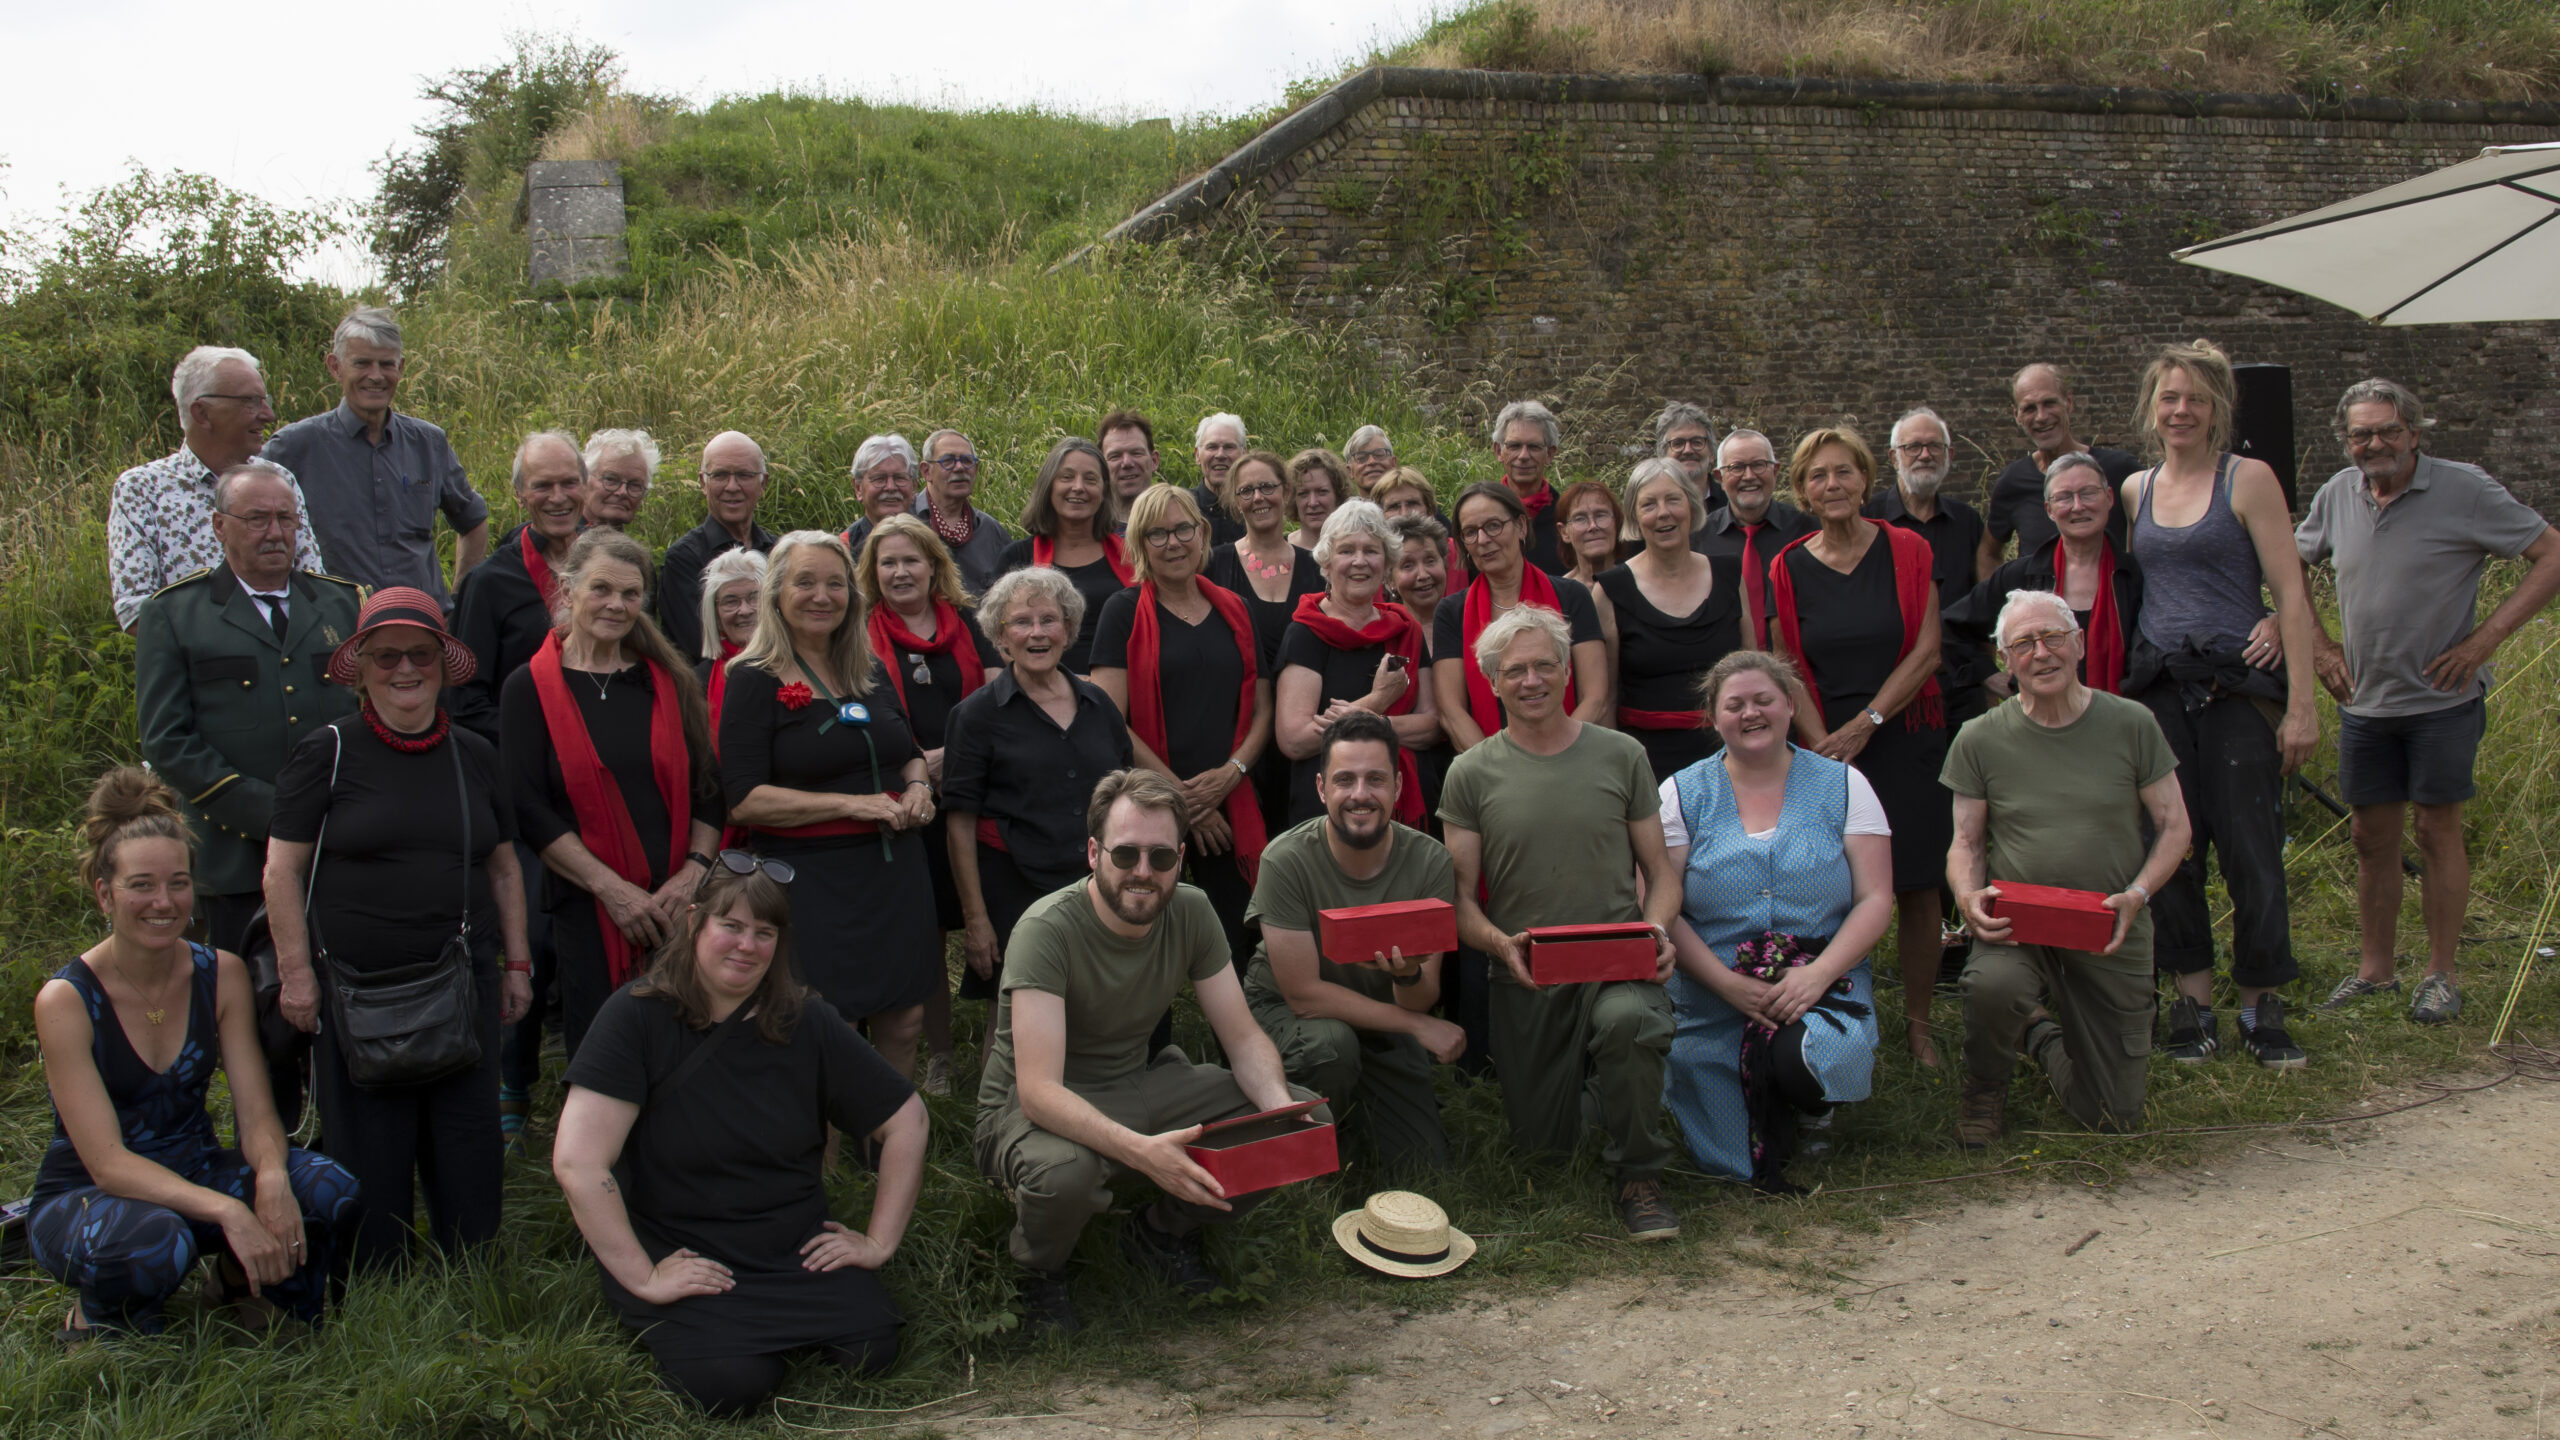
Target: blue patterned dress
(1796, 882)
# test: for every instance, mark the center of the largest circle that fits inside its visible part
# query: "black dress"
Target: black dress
(931, 688)
(1271, 620)
(1661, 658)
(863, 929)
(1852, 629)
(1096, 582)
(728, 1165)
(617, 719)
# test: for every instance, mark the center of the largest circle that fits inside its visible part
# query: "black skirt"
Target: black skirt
(863, 929)
(1903, 765)
(1673, 751)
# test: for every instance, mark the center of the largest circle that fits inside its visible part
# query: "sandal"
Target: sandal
(76, 1333)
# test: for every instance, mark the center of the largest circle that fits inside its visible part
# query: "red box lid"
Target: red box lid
(1350, 935)
(1612, 930)
(2052, 897)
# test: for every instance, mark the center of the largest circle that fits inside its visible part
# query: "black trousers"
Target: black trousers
(731, 1385)
(1008, 890)
(520, 1060)
(2233, 781)
(444, 1134)
(579, 971)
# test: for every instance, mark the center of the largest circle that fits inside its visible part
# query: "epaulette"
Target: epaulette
(363, 591)
(187, 579)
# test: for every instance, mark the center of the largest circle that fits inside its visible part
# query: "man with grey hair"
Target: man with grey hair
(2041, 393)
(160, 515)
(1550, 821)
(2410, 534)
(1686, 434)
(1752, 525)
(376, 478)
(975, 538)
(733, 481)
(1526, 437)
(504, 608)
(1216, 444)
(2056, 789)
(1371, 456)
(1923, 451)
(620, 465)
(884, 484)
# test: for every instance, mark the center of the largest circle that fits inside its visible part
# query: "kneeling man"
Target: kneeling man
(1361, 1034)
(2052, 789)
(1072, 1102)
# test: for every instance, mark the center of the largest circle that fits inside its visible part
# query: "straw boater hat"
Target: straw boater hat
(1401, 1233)
(403, 605)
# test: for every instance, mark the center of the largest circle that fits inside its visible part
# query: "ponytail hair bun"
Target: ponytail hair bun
(128, 803)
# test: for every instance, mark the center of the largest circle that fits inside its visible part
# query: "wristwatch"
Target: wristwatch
(698, 858)
(1413, 979)
(1872, 717)
(1240, 767)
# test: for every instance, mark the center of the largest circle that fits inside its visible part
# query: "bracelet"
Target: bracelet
(698, 858)
(524, 969)
(1402, 980)
(910, 785)
(2138, 888)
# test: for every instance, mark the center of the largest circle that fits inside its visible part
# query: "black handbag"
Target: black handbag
(412, 1024)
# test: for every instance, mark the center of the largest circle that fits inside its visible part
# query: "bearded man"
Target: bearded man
(1923, 453)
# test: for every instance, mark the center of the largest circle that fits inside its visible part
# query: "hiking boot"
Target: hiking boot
(1645, 1213)
(937, 1076)
(1172, 1259)
(2437, 1001)
(1047, 1309)
(2194, 1035)
(2355, 988)
(1982, 1113)
(2267, 1038)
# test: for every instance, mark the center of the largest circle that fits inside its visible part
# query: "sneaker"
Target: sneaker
(2268, 1040)
(1047, 1309)
(2437, 1001)
(2356, 987)
(1172, 1259)
(1982, 1114)
(1645, 1213)
(514, 1108)
(2194, 1035)
(937, 1076)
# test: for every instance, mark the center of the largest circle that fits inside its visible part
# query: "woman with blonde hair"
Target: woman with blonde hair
(821, 768)
(1678, 612)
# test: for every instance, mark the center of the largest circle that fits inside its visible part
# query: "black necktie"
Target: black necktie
(275, 612)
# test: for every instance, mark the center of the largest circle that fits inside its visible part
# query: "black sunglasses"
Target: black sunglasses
(1162, 859)
(739, 862)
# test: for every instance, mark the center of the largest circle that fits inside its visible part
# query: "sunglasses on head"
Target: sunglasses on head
(1162, 859)
(739, 862)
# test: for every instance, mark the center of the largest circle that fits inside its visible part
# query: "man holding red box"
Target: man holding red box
(2052, 789)
(1358, 1032)
(1557, 818)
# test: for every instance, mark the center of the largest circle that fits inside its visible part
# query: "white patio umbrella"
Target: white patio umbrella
(2478, 241)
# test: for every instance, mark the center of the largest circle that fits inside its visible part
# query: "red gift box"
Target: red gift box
(1357, 934)
(1274, 1147)
(2047, 915)
(1572, 954)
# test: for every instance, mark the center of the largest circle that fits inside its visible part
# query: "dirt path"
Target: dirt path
(2005, 1319)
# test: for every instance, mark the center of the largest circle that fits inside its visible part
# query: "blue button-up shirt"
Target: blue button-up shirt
(373, 507)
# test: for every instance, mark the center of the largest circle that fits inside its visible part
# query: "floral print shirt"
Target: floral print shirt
(160, 529)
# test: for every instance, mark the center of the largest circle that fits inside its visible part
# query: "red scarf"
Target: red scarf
(1536, 588)
(1044, 552)
(1914, 590)
(2103, 666)
(604, 820)
(1394, 629)
(890, 638)
(1755, 576)
(954, 533)
(1538, 500)
(538, 568)
(1146, 705)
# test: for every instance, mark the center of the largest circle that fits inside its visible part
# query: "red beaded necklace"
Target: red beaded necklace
(409, 744)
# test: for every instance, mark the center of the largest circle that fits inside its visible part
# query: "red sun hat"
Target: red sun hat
(403, 605)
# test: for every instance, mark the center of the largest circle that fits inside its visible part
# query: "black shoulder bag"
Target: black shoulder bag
(412, 1024)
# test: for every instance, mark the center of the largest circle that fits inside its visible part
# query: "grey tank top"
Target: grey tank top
(2200, 579)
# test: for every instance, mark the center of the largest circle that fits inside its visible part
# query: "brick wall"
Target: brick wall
(1789, 256)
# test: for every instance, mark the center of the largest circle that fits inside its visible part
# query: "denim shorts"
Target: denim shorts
(2410, 759)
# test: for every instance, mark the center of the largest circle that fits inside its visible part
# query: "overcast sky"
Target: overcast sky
(293, 100)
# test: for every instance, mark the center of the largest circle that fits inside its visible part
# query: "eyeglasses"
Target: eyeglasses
(265, 520)
(954, 462)
(2078, 497)
(1163, 535)
(1678, 443)
(1523, 447)
(1484, 530)
(1370, 455)
(2051, 641)
(2389, 435)
(1922, 447)
(1247, 492)
(607, 482)
(1543, 669)
(1749, 467)
(421, 658)
(739, 862)
(258, 400)
(1162, 859)
(731, 477)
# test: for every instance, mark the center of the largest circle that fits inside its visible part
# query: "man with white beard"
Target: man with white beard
(1923, 453)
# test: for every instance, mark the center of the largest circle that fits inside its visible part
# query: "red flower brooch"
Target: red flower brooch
(795, 695)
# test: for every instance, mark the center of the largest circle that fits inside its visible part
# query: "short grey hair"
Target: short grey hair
(1200, 432)
(2075, 460)
(371, 324)
(1946, 432)
(1497, 637)
(1035, 582)
(192, 380)
(250, 469)
(607, 443)
(1532, 412)
(515, 471)
(1364, 435)
(1355, 515)
(2390, 392)
(1660, 467)
(1677, 415)
(878, 448)
(1744, 432)
(726, 569)
(2022, 601)
(1427, 528)
(938, 434)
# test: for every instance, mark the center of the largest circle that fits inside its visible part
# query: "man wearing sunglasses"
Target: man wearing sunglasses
(975, 538)
(1072, 1103)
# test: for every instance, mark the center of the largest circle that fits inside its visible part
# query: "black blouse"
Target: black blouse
(1005, 760)
(1096, 582)
(765, 742)
(1201, 675)
(1343, 675)
(1271, 618)
(617, 721)
(1662, 657)
(931, 693)
(1851, 624)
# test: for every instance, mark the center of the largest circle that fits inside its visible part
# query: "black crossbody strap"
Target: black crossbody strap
(463, 792)
(311, 881)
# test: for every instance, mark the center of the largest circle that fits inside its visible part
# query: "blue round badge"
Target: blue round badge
(853, 712)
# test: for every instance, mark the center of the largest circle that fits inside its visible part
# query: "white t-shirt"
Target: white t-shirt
(1866, 813)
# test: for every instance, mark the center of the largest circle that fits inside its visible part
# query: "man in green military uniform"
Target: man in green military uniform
(229, 676)
(1361, 1034)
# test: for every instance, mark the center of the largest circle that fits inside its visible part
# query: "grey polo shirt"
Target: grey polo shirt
(2409, 575)
(373, 507)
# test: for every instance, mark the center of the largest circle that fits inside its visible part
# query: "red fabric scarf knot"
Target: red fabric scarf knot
(1044, 551)
(890, 639)
(1395, 630)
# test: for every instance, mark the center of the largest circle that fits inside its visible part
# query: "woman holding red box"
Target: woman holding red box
(1787, 866)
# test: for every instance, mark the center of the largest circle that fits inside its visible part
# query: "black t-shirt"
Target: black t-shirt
(2016, 506)
(765, 742)
(1662, 657)
(931, 693)
(1096, 582)
(1270, 617)
(1199, 672)
(388, 885)
(1345, 675)
(617, 721)
(1449, 622)
(1851, 624)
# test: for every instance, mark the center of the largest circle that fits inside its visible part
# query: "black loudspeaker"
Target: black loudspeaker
(2263, 428)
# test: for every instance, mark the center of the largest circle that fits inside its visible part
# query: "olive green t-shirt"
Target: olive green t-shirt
(1115, 987)
(2066, 803)
(1299, 877)
(1554, 827)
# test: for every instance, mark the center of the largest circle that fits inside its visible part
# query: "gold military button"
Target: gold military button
(293, 719)
(287, 660)
(288, 689)
(245, 684)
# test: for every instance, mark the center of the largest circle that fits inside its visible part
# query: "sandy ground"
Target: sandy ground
(2379, 1293)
